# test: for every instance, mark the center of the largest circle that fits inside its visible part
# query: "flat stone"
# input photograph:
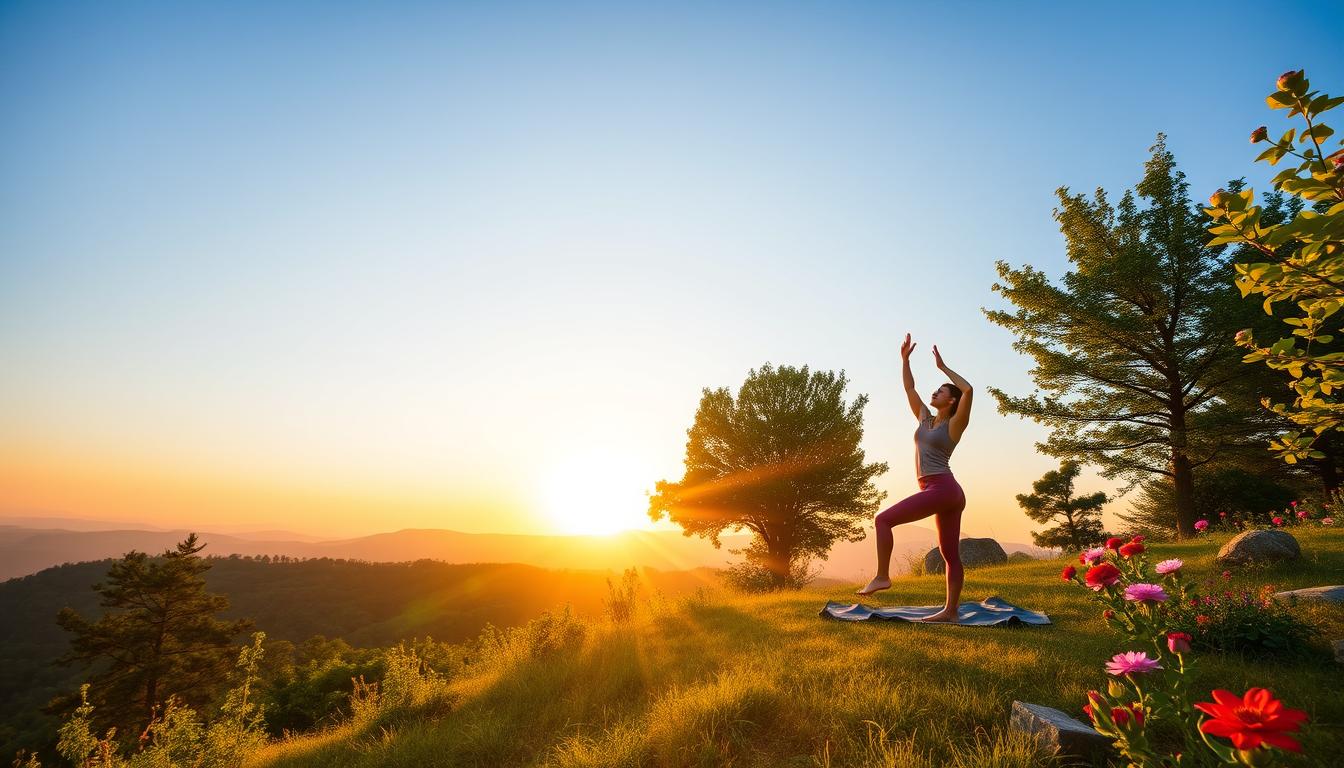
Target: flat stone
(1260, 547)
(1056, 731)
(1333, 594)
(1339, 651)
(974, 552)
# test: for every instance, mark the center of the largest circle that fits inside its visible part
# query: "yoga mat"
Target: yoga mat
(990, 612)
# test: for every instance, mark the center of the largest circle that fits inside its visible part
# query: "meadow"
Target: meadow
(725, 679)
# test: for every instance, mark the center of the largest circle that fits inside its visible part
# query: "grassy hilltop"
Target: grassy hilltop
(722, 679)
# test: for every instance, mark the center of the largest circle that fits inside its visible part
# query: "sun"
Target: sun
(595, 492)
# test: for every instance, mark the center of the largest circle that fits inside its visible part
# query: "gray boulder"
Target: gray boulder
(1056, 731)
(1260, 547)
(1333, 594)
(974, 552)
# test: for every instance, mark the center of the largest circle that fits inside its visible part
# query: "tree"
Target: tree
(1133, 349)
(783, 461)
(1052, 499)
(159, 638)
(1309, 276)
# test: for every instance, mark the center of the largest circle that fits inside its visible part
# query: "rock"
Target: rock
(1260, 547)
(1056, 731)
(974, 552)
(1333, 594)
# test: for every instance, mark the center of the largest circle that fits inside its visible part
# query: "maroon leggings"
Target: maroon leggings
(938, 495)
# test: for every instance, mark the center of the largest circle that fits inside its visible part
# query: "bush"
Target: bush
(547, 635)
(620, 602)
(1241, 622)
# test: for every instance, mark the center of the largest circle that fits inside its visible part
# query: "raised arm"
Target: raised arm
(963, 415)
(916, 404)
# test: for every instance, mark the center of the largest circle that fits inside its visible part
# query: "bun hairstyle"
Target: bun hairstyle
(955, 391)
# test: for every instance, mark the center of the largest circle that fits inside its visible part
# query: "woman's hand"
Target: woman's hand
(938, 359)
(907, 348)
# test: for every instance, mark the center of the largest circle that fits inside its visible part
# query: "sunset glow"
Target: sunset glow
(595, 492)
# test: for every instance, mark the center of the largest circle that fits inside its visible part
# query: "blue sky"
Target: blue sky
(462, 265)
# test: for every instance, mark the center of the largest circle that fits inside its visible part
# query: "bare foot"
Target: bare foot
(942, 617)
(875, 585)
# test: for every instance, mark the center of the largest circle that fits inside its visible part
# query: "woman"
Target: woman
(939, 494)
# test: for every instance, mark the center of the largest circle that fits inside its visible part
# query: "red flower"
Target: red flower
(1252, 719)
(1201, 619)
(1120, 716)
(1108, 614)
(1178, 642)
(1068, 573)
(1137, 539)
(1290, 80)
(1131, 549)
(1093, 698)
(1114, 542)
(1260, 134)
(1101, 575)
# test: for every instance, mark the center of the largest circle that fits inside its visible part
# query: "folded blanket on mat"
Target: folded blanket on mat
(990, 612)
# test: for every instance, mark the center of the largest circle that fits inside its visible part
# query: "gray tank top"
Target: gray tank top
(933, 448)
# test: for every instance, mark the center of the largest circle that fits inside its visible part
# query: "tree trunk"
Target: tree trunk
(777, 562)
(1184, 479)
(1329, 473)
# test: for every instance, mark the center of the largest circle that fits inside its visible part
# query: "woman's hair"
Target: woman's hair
(956, 395)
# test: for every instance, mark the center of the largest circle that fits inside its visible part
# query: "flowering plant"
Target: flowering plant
(1150, 688)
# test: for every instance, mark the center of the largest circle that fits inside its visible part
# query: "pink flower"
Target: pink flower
(1201, 525)
(1169, 566)
(1277, 520)
(1302, 514)
(1131, 663)
(1092, 556)
(1293, 504)
(1227, 575)
(1146, 593)
(1327, 521)
(1178, 642)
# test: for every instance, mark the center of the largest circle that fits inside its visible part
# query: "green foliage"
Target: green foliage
(781, 460)
(158, 640)
(1245, 622)
(1052, 500)
(548, 635)
(1302, 266)
(1130, 347)
(176, 736)
(408, 684)
(1252, 498)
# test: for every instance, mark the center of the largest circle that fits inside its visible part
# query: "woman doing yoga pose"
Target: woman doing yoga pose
(939, 494)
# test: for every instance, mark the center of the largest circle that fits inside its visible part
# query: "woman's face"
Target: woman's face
(941, 397)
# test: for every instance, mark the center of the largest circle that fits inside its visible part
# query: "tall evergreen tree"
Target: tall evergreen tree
(781, 460)
(1134, 349)
(159, 637)
(1052, 500)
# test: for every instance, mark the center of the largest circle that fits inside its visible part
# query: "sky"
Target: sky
(344, 268)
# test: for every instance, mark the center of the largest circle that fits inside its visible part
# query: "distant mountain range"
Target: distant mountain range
(28, 545)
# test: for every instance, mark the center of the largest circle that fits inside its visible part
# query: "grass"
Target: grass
(722, 679)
